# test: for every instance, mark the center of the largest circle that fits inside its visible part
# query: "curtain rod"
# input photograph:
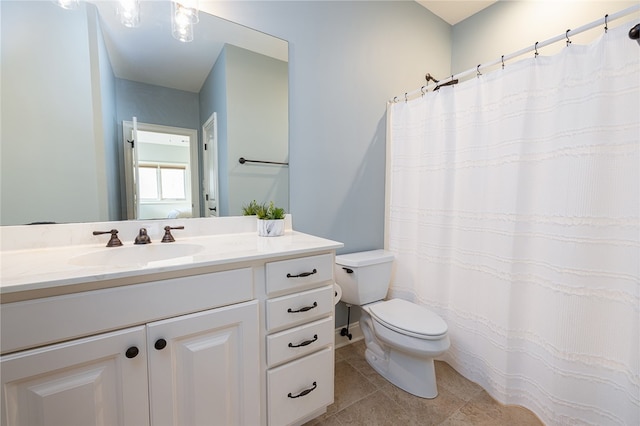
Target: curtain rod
(564, 36)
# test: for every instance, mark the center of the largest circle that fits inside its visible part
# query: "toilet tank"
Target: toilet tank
(363, 276)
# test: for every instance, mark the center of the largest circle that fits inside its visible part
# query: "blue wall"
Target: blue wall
(156, 105)
(346, 59)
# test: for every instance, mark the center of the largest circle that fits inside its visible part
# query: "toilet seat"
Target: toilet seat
(409, 319)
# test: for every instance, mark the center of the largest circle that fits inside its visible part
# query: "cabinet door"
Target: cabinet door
(91, 381)
(204, 368)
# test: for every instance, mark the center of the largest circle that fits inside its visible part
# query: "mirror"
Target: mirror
(71, 78)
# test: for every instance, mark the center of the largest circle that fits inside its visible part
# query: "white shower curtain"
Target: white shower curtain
(514, 205)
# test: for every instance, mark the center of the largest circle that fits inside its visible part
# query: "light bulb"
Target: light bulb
(129, 13)
(67, 4)
(182, 20)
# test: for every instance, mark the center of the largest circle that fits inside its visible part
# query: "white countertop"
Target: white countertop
(46, 268)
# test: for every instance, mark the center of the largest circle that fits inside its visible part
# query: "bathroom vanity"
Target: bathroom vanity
(223, 327)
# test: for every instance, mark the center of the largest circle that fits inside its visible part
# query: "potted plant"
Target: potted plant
(270, 220)
(251, 209)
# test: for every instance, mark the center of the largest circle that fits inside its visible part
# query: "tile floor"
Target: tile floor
(363, 397)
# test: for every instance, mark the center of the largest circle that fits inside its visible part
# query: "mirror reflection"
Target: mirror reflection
(92, 109)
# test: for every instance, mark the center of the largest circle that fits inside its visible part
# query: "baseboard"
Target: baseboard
(354, 330)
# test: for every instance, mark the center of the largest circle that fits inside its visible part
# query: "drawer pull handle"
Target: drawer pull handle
(305, 309)
(305, 343)
(304, 392)
(303, 274)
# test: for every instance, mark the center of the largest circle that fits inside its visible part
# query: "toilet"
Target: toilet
(401, 337)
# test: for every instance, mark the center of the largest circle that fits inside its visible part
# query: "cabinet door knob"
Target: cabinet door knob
(160, 344)
(132, 352)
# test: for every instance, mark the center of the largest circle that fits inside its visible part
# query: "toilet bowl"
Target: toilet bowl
(401, 337)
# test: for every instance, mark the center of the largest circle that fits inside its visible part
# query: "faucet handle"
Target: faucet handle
(168, 238)
(113, 241)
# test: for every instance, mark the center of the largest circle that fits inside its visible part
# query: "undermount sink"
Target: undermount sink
(138, 255)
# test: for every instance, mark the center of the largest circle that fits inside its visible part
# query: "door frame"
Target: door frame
(127, 127)
(210, 174)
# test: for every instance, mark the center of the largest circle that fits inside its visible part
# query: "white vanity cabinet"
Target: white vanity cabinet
(241, 333)
(192, 369)
(299, 338)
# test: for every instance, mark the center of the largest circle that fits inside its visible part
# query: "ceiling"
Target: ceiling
(454, 11)
(149, 54)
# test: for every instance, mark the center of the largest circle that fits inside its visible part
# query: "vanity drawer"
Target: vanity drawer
(52, 319)
(299, 388)
(294, 309)
(299, 341)
(296, 274)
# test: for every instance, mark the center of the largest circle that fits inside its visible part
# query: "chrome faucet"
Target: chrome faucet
(142, 237)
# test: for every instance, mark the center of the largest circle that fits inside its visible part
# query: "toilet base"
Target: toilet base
(405, 361)
(414, 375)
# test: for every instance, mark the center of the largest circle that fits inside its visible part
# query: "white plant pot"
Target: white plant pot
(270, 227)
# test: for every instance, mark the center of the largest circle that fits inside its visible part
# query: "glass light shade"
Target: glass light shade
(129, 13)
(182, 20)
(67, 4)
(182, 31)
(188, 9)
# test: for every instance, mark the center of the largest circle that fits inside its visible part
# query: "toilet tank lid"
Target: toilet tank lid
(364, 258)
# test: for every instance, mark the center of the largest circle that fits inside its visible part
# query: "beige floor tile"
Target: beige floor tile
(363, 397)
(454, 382)
(354, 350)
(520, 416)
(349, 387)
(484, 405)
(367, 371)
(325, 420)
(425, 411)
(470, 419)
(375, 410)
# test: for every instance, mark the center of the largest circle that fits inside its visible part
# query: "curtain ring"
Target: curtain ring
(405, 97)
(395, 99)
(478, 73)
(536, 48)
(422, 90)
(502, 61)
(606, 28)
(566, 34)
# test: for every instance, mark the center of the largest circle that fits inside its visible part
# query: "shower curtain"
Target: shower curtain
(514, 214)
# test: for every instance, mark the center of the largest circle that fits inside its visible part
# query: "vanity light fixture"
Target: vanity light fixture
(187, 9)
(67, 4)
(129, 13)
(183, 16)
